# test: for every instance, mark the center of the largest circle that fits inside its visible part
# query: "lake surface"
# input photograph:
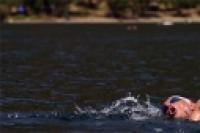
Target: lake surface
(96, 78)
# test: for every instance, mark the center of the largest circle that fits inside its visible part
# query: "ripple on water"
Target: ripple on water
(130, 113)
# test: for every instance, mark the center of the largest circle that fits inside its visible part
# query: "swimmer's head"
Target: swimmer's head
(178, 107)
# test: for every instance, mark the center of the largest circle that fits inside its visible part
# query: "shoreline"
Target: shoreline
(94, 20)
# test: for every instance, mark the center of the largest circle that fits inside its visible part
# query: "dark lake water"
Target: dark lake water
(96, 78)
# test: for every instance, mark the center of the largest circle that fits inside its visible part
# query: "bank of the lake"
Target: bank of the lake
(89, 20)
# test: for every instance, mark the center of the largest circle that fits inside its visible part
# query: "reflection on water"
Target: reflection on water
(47, 70)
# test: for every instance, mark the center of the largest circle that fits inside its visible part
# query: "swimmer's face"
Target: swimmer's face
(174, 107)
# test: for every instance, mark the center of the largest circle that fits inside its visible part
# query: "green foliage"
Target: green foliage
(121, 4)
(120, 7)
(180, 3)
(116, 7)
(187, 3)
(11, 2)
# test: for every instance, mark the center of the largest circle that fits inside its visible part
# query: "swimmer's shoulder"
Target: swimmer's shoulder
(196, 114)
(198, 101)
(198, 104)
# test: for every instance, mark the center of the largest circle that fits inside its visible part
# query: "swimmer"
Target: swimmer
(178, 107)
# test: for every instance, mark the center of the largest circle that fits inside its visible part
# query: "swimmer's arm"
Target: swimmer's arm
(198, 105)
(196, 114)
(198, 102)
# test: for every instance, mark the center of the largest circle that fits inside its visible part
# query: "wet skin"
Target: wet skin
(182, 108)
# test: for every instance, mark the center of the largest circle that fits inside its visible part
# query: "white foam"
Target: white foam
(129, 106)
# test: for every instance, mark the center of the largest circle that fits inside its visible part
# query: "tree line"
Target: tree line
(114, 8)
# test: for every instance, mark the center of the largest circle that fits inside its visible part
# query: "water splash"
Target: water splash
(128, 107)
